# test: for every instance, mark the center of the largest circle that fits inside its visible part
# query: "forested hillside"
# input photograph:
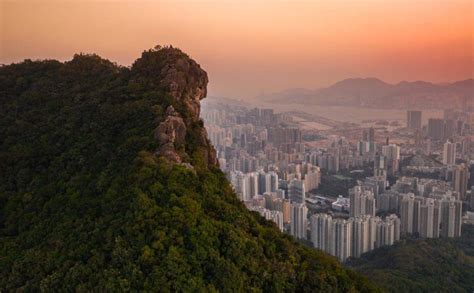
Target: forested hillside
(108, 182)
(433, 265)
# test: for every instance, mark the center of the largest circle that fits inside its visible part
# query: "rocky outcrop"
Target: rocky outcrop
(171, 135)
(186, 83)
(172, 71)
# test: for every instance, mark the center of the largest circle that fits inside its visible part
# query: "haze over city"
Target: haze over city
(254, 47)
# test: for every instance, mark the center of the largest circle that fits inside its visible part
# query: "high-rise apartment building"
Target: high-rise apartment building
(427, 219)
(368, 135)
(387, 231)
(436, 219)
(451, 213)
(371, 136)
(396, 226)
(449, 153)
(273, 181)
(356, 203)
(372, 233)
(321, 231)
(407, 203)
(466, 148)
(253, 180)
(362, 202)
(414, 119)
(298, 220)
(376, 184)
(360, 235)
(297, 191)
(460, 180)
(436, 128)
(264, 182)
(277, 217)
(380, 166)
(271, 201)
(449, 128)
(286, 210)
(312, 179)
(341, 238)
(392, 154)
(471, 200)
(417, 203)
(388, 201)
(246, 185)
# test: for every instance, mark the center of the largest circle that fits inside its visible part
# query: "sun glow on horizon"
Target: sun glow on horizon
(249, 47)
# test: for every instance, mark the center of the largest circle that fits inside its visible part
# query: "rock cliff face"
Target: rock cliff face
(185, 82)
(171, 135)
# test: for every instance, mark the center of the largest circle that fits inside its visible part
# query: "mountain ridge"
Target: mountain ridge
(373, 92)
(109, 183)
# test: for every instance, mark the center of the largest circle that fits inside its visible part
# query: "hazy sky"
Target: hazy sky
(250, 47)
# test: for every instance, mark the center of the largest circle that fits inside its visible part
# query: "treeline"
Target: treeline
(432, 265)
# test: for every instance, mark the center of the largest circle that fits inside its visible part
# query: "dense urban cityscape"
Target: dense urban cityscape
(347, 188)
(237, 146)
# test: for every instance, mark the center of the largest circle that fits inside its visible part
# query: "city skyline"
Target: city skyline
(358, 191)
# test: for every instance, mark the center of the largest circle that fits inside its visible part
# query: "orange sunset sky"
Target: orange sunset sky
(251, 47)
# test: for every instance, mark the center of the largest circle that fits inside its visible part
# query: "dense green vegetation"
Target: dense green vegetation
(85, 204)
(433, 265)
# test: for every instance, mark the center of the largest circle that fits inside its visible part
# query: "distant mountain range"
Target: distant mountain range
(375, 93)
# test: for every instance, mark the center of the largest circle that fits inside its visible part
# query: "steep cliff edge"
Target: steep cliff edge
(186, 83)
(108, 182)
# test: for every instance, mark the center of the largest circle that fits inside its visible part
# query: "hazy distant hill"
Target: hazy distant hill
(372, 92)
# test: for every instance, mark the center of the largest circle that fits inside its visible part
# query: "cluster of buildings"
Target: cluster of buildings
(454, 128)
(257, 139)
(352, 237)
(428, 208)
(277, 174)
(412, 207)
(453, 123)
